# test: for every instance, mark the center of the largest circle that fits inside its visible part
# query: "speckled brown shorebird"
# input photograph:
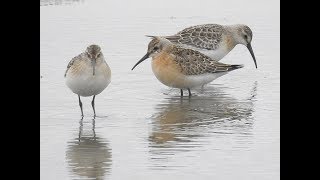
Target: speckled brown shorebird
(182, 68)
(214, 40)
(88, 74)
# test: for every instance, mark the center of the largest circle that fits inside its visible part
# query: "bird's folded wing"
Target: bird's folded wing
(195, 63)
(73, 60)
(202, 36)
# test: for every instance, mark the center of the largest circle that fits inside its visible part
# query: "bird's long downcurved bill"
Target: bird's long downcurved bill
(140, 61)
(93, 63)
(252, 54)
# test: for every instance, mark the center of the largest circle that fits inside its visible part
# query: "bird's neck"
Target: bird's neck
(98, 60)
(233, 31)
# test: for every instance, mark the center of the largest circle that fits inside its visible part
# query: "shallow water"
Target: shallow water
(230, 129)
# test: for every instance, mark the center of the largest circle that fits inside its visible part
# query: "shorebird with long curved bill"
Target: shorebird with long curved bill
(88, 74)
(214, 40)
(182, 68)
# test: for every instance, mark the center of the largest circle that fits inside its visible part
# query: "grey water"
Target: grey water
(228, 130)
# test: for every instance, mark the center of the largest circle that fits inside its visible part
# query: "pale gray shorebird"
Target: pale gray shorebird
(182, 68)
(214, 40)
(88, 74)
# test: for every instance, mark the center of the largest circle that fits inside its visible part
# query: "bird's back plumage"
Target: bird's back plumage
(206, 36)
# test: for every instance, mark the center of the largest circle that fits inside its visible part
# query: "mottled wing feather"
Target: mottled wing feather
(195, 63)
(73, 60)
(206, 36)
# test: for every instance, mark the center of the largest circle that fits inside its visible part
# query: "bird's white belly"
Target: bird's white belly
(85, 84)
(216, 54)
(187, 81)
(199, 80)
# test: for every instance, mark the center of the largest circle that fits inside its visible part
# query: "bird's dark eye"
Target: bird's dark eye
(245, 36)
(155, 48)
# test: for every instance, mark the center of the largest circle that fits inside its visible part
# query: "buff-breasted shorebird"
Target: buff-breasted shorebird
(88, 74)
(214, 40)
(182, 68)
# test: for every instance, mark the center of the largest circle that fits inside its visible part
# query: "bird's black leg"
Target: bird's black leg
(181, 92)
(189, 92)
(93, 128)
(80, 104)
(92, 103)
(80, 128)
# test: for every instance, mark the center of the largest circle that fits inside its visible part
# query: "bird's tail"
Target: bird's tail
(238, 66)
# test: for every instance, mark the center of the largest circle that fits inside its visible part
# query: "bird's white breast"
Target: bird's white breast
(191, 81)
(85, 84)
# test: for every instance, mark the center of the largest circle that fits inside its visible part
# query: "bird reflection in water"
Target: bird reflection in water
(179, 121)
(88, 155)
